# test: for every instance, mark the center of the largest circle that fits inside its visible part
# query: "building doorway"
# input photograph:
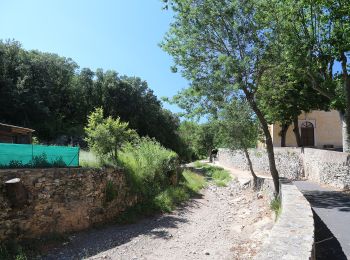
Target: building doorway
(307, 134)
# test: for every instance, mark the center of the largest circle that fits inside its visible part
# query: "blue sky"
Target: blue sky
(122, 35)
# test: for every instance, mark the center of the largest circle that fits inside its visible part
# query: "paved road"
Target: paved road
(332, 220)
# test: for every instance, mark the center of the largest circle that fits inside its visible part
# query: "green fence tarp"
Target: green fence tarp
(25, 153)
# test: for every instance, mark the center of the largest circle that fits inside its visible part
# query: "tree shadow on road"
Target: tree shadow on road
(326, 245)
(94, 241)
(328, 199)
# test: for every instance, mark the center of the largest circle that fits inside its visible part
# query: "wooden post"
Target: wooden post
(16, 192)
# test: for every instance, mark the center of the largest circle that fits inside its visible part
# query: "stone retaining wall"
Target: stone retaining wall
(288, 162)
(60, 200)
(292, 236)
(327, 167)
(322, 166)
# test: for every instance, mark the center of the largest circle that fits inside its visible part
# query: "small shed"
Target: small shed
(15, 134)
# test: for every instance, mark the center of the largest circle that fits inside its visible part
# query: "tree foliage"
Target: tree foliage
(239, 126)
(52, 95)
(221, 47)
(310, 39)
(240, 129)
(106, 136)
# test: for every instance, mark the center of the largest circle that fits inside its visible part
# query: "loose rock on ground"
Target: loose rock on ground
(222, 223)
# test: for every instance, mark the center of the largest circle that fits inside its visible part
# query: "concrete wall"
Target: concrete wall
(322, 166)
(59, 200)
(328, 129)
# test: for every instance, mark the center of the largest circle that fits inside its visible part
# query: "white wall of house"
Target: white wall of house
(327, 127)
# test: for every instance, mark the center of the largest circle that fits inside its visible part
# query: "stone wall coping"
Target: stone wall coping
(292, 236)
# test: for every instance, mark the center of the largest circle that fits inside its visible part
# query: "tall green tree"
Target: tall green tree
(220, 47)
(284, 95)
(240, 129)
(313, 36)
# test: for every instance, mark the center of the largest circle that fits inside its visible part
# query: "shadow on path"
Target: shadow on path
(331, 211)
(94, 241)
(326, 245)
(328, 200)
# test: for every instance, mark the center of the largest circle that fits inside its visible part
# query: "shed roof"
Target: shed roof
(18, 128)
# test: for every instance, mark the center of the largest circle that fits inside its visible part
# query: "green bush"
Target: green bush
(167, 200)
(89, 159)
(105, 136)
(149, 166)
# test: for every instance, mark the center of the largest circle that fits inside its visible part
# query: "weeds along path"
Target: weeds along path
(221, 223)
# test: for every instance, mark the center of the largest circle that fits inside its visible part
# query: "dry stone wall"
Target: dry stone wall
(288, 162)
(327, 167)
(322, 166)
(59, 200)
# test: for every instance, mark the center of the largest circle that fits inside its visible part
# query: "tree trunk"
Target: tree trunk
(16, 193)
(346, 79)
(296, 131)
(255, 178)
(269, 144)
(345, 142)
(210, 155)
(284, 129)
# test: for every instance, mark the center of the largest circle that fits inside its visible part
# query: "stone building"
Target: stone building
(321, 129)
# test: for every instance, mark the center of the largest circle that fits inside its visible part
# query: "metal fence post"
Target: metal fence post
(32, 155)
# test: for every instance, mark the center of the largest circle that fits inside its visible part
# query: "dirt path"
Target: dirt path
(224, 223)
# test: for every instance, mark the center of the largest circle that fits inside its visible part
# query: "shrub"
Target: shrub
(167, 200)
(149, 166)
(38, 161)
(15, 164)
(105, 136)
(89, 159)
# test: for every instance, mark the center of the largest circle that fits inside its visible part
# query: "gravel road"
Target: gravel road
(223, 223)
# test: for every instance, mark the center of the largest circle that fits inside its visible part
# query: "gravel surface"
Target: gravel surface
(223, 223)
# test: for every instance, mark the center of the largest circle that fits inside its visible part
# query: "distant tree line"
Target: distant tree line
(52, 95)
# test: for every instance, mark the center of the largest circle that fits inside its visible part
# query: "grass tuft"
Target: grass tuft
(12, 251)
(276, 206)
(193, 181)
(89, 159)
(221, 177)
(218, 175)
(167, 200)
